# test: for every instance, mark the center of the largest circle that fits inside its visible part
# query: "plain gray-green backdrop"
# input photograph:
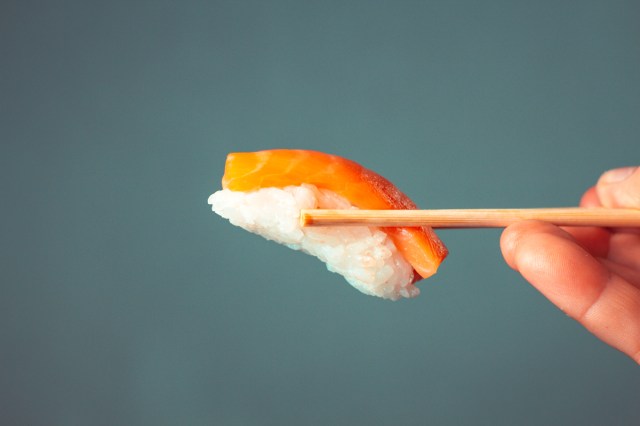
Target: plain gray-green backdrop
(125, 301)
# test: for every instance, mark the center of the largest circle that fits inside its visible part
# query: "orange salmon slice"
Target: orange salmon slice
(365, 189)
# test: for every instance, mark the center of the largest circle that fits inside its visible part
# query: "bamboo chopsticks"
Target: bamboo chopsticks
(472, 218)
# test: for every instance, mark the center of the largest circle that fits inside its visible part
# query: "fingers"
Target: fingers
(621, 246)
(590, 198)
(594, 240)
(620, 188)
(630, 274)
(625, 249)
(544, 253)
(580, 285)
(564, 265)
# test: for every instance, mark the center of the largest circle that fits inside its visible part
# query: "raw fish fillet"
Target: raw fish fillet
(365, 189)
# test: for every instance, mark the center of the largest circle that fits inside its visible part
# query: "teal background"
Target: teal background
(124, 300)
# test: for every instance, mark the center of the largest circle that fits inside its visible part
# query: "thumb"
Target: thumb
(620, 188)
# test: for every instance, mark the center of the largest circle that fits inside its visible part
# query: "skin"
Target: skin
(592, 274)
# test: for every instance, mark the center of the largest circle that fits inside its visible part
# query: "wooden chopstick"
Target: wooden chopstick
(473, 218)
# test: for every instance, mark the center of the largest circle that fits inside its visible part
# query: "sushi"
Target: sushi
(263, 192)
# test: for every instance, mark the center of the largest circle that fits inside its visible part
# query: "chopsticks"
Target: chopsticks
(472, 218)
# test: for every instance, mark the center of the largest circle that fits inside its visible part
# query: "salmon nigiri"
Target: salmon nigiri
(264, 192)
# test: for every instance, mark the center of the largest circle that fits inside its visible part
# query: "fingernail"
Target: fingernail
(617, 175)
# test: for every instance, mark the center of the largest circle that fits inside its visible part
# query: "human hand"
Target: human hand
(592, 274)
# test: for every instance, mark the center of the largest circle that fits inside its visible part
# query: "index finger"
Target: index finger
(575, 281)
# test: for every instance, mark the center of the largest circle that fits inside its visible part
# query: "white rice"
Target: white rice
(365, 256)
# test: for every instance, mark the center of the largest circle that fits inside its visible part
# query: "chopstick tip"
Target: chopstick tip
(305, 219)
